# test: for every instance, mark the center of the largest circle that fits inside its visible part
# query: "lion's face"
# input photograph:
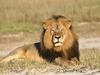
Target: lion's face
(56, 32)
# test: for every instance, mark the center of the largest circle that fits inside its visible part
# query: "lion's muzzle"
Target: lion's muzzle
(57, 40)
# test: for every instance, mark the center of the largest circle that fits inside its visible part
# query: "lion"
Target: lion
(58, 41)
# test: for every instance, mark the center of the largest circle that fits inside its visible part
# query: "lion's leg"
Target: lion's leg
(25, 54)
(61, 61)
(64, 62)
(74, 61)
(8, 58)
(19, 53)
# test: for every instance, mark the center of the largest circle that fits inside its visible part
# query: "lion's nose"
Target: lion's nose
(57, 36)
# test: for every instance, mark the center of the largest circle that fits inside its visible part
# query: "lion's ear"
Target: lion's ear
(69, 24)
(45, 26)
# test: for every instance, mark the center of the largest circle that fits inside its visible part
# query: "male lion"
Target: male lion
(57, 41)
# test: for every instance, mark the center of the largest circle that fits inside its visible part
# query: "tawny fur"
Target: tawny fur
(45, 50)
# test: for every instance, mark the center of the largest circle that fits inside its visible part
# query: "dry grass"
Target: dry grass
(35, 11)
(27, 15)
(19, 27)
(87, 29)
(90, 58)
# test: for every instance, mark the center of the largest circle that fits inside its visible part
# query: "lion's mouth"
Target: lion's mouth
(58, 44)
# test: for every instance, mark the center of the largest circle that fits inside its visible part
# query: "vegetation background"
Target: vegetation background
(24, 15)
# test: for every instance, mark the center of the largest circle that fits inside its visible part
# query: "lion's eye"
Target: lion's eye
(52, 31)
(62, 31)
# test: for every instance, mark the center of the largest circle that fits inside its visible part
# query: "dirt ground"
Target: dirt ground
(89, 39)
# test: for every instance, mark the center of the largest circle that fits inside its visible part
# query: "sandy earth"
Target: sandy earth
(89, 43)
(52, 73)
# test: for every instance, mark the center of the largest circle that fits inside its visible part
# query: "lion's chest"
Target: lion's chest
(51, 55)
